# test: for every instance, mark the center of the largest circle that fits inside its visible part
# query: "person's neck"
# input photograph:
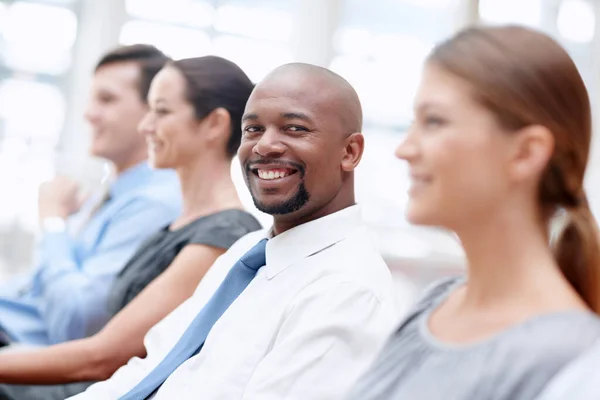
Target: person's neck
(344, 199)
(510, 262)
(207, 187)
(135, 159)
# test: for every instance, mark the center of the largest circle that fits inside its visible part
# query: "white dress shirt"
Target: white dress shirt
(579, 380)
(310, 322)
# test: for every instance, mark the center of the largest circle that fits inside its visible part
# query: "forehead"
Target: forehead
(444, 93)
(441, 88)
(168, 84)
(292, 94)
(116, 76)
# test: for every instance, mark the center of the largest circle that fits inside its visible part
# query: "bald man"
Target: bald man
(294, 312)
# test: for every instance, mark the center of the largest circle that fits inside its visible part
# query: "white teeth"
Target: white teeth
(270, 175)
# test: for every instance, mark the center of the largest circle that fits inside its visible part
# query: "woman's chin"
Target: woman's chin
(417, 216)
(158, 163)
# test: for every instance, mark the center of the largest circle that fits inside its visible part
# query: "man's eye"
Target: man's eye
(252, 129)
(296, 128)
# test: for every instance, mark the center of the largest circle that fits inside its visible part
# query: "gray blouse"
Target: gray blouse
(515, 364)
(220, 230)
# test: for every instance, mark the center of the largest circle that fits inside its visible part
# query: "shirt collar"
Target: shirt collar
(130, 178)
(307, 239)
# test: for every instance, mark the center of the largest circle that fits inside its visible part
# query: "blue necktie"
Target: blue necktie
(192, 340)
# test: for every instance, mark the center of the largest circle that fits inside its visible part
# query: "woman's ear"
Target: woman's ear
(213, 125)
(533, 148)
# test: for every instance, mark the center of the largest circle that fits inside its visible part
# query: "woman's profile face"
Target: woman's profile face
(171, 128)
(457, 153)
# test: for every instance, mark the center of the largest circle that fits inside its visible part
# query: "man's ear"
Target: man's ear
(353, 151)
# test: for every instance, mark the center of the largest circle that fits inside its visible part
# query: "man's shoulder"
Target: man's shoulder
(357, 254)
(356, 263)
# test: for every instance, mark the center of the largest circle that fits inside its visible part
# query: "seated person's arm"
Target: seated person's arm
(75, 292)
(97, 357)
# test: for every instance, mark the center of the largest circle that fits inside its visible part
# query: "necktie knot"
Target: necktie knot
(256, 257)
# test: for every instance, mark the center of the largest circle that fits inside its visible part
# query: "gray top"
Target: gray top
(220, 230)
(514, 364)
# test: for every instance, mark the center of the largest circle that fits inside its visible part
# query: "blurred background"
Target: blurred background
(48, 49)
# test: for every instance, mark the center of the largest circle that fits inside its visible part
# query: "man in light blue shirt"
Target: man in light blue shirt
(84, 246)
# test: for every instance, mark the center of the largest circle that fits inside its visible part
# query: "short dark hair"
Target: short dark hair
(213, 82)
(149, 58)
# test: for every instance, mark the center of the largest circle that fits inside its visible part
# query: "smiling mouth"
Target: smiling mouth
(271, 174)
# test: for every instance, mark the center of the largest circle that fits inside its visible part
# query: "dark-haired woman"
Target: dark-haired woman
(193, 126)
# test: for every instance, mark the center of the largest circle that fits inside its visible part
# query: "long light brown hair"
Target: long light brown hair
(525, 78)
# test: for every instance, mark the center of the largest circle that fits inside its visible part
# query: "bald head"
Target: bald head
(301, 142)
(323, 86)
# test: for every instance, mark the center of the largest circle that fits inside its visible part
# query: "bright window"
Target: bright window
(525, 12)
(31, 110)
(185, 12)
(576, 20)
(39, 37)
(254, 22)
(177, 42)
(256, 58)
(381, 48)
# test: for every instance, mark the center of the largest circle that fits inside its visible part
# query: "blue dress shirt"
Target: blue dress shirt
(66, 296)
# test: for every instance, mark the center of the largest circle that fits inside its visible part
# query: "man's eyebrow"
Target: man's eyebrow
(296, 115)
(249, 117)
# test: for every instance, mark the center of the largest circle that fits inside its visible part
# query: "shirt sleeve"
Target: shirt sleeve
(75, 292)
(323, 346)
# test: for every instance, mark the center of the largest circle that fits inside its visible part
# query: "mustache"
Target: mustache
(266, 161)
